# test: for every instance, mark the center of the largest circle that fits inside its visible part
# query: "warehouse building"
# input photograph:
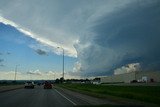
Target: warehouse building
(136, 76)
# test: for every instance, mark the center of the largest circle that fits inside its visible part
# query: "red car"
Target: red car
(47, 85)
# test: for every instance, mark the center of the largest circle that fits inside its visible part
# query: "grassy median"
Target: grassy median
(142, 93)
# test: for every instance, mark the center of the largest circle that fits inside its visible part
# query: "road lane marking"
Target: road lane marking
(65, 97)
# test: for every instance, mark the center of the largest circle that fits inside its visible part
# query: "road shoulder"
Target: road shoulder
(108, 100)
(10, 88)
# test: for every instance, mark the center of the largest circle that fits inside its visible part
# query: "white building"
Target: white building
(132, 76)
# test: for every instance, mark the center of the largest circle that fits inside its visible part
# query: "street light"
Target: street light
(54, 75)
(15, 72)
(63, 61)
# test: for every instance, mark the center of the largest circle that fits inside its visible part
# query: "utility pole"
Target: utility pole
(15, 76)
(62, 62)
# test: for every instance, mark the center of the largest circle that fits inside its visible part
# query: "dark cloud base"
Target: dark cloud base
(131, 33)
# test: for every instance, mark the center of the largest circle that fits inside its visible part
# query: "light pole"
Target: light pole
(15, 72)
(63, 62)
(54, 75)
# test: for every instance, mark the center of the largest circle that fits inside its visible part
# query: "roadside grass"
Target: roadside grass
(150, 94)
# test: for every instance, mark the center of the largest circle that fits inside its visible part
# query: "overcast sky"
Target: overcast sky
(99, 37)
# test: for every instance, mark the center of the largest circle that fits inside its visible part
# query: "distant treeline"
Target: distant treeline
(10, 82)
(76, 80)
(57, 81)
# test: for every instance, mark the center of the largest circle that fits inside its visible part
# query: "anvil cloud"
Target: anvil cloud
(104, 35)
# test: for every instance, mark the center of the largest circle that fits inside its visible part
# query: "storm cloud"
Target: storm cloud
(104, 35)
(128, 35)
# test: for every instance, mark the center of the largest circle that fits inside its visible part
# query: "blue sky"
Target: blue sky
(99, 37)
(15, 50)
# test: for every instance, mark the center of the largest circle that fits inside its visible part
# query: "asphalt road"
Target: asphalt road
(37, 97)
(56, 97)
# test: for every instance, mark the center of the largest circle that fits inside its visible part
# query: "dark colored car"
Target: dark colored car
(47, 85)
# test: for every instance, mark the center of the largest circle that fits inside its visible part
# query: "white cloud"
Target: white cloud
(77, 67)
(39, 75)
(40, 39)
(128, 68)
(36, 72)
(10, 75)
(34, 75)
(55, 23)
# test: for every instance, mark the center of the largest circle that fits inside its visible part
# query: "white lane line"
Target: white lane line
(65, 97)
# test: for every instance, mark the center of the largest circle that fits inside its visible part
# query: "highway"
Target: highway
(39, 97)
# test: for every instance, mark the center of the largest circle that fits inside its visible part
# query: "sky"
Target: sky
(99, 37)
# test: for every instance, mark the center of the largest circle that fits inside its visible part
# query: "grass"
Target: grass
(149, 94)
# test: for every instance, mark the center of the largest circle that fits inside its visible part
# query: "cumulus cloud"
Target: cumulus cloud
(128, 68)
(10, 75)
(50, 73)
(33, 75)
(103, 35)
(77, 67)
(36, 72)
(6, 74)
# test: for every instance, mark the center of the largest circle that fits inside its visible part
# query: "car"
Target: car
(47, 85)
(29, 84)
